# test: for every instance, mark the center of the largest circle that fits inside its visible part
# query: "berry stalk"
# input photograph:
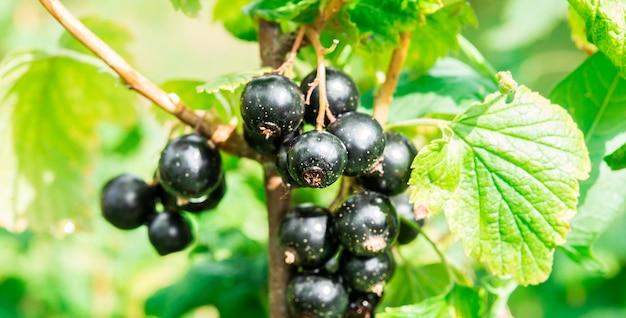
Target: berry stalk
(385, 95)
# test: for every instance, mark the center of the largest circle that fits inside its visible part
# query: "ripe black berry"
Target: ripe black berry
(127, 201)
(404, 208)
(169, 232)
(341, 92)
(366, 223)
(393, 176)
(362, 305)
(210, 202)
(266, 144)
(305, 234)
(189, 167)
(367, 274)
(272, 105)
(316, 159)
(364, 140)
(317, 296)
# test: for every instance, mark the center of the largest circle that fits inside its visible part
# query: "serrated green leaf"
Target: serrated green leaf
(231, 82)
(617, 160)
(113, 34)
(283, 10)
(448, 88)
(438, 35)
(435, 174)
(579, 32)
(55, 102)
(518, 164)
(234, 19)
(190, 8)
(433, 307)
(605, 23)
(594, 95)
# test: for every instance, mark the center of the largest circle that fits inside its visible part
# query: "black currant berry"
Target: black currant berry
(282, 166)
(169, 232)
(367, 274)
(127, 201)
(362, 305)
(264, 144)
(319, 296)
(209, 202)
(364, 140)
(366, 223)
(189, 167)
(316, 159)
(393, 175)
(305, 235)
(341, 92)
(405, 208)
(272, 105)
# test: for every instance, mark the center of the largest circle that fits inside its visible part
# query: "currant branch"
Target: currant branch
(221, 135)
(383, 99)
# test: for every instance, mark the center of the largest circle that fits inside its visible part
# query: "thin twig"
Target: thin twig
(139, 83)
(329, 11)
(385, 95)
(320, 79)
(288, 65)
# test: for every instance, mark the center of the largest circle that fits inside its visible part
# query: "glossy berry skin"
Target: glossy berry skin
(210, 202)
(364, 140)
(305, 235)
(272, 105)
(404, 208)
(362, 305)
(393, 177)
(169, 232)
(367, 274)
(341, 92)
(282, 166)
(189, 167)
(314, 295)
(316, 159)
(127, 201)
(366, 223)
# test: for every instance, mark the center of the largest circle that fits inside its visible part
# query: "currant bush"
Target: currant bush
(341, 92)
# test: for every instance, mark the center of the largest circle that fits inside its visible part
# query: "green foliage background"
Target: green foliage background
(98, 271)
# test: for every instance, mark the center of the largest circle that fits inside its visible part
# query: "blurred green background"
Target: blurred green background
(104, 272)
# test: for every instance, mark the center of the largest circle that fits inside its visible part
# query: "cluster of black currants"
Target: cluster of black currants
(189, 178)
(341, 259)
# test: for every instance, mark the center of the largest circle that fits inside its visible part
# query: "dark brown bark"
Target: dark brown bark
(274, 45)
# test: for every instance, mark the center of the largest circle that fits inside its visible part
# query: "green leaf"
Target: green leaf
(194, 98)
(236, 286)
(594, 95)
(438, 35)
(380, 21)
(113, 34)
(605, 22)
(411, 284)
(467, 301)
(434, 307)
(518, 162)
(448, 88)
(190, 8)
(283, 10)
(234, 19)
(617, 160)
(231, 82)
(54, 103)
